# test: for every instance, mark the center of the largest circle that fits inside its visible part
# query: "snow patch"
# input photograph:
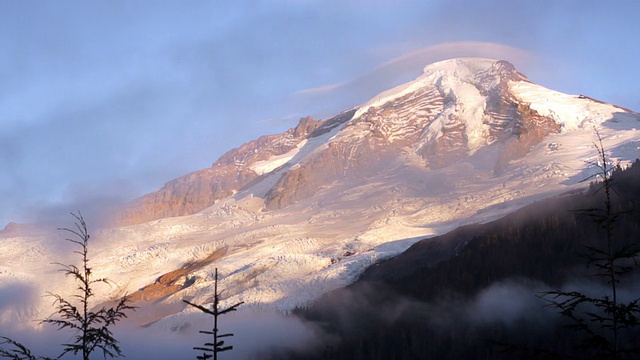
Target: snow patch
(267, 166)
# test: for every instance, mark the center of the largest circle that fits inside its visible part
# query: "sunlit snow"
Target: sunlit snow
(285, 258)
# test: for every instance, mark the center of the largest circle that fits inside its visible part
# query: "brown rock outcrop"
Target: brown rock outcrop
(174, 281)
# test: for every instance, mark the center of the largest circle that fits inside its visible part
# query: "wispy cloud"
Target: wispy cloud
(325, 89)
(462, 49)
(415, 60)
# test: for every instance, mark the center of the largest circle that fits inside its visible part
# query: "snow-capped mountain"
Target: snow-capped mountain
(288, 217)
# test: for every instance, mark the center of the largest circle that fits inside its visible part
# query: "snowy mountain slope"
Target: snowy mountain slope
(233, 171)
(304, 212)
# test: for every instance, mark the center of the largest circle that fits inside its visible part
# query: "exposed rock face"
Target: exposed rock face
(200, 189)
(305, 127)
(456, 109)
(510, 121)
(530, 128)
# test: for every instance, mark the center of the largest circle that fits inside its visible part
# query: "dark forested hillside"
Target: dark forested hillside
(456, 296)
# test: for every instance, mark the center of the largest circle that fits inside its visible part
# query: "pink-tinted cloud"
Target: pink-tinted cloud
(414, 61)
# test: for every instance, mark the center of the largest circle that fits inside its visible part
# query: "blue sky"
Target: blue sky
(103, 101)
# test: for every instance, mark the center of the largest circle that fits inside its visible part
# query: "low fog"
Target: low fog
(263, 334)
(18, 301)
(257, 333)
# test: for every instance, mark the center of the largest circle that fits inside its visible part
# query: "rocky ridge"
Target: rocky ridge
(235, 169)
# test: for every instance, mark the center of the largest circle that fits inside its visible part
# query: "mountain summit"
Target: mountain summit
(470, 109)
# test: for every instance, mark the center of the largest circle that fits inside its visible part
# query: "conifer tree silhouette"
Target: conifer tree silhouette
(92, 328)
(210, 350)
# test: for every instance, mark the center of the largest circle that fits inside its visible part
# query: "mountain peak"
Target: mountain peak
(482, 73)
(469, 67)
(465, 109)
(472, 70)
(471, 64)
